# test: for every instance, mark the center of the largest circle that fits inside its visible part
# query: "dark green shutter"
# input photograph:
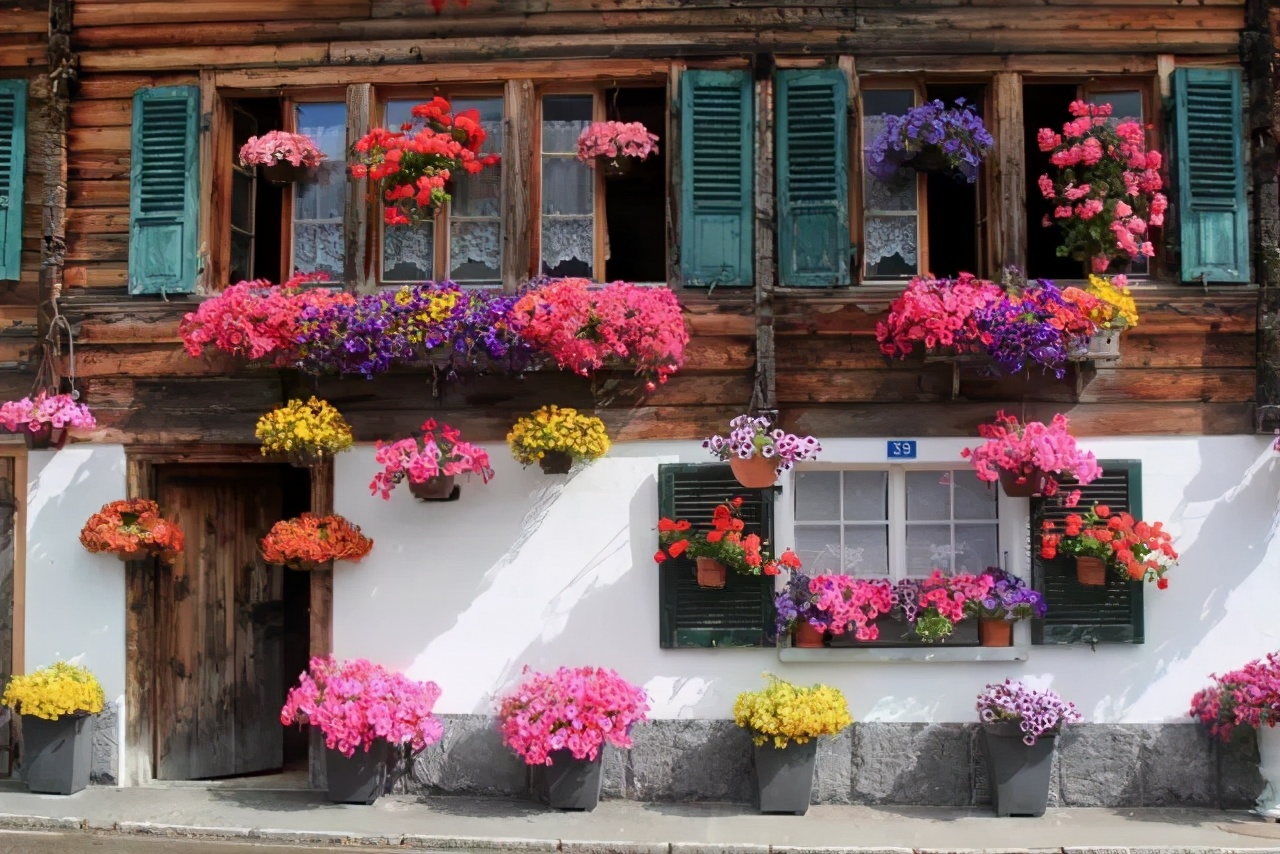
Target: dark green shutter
(1209, 141)
(164, 187)
(742, 613)
(813, 178)
(716, 132)
(1079, 613)
(13, 158)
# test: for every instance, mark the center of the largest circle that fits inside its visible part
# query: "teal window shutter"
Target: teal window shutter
(717, 141)
(1209, 144)
(813, 178)
(164, 184)
(13, 158)
(741, 613)
(1078, 613)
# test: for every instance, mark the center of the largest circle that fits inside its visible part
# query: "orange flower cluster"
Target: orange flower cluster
(725, 542)
(309, 541)
(1135, 549)
(131, 526)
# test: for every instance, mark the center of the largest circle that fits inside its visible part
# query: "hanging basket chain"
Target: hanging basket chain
(47, 376)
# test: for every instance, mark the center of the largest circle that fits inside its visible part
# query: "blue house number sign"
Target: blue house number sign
(902, 449)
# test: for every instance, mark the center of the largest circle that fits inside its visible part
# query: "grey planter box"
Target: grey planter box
(569, 783)
(57, 754)
(785, 776)
(1018, 774)
(357, 779)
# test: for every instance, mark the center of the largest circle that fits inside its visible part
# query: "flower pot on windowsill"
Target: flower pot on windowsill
(755, 473)
(806, 636)
(1026, 483)
(1091, 571)
(785, 776)
(58, 753)
(712, 573)
(995, 632)
(438, 488)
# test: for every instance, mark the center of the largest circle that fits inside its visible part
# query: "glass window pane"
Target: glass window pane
(977, 547)
(975, 499)
(242, 200)
(1124, 105)
(567, 239)
(928, 548)
(866, 496)
(408, 253)
(889, 243)
(400, 112)
(563, 119)
(817, 496)
(475, 250)
(818, 548)
(320, 201)
(568, 186)
(568, 246)
(866, 550)
(929, 496)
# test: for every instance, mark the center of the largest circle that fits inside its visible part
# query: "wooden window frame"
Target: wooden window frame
(857, 205)
(290, 100)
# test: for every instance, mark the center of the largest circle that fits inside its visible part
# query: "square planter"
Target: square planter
(57, 754)
(360, 778)
(784, 776)
(1018, 774)
(569, 783)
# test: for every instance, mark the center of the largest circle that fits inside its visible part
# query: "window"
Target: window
(895, 523)
(890, 207)
(320, 202)
(567, 224)
(244, 193)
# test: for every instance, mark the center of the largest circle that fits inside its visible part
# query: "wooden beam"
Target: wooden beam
(321, 608)
(517, 174)
(674, 171)
(357, 270)
(764, 395)
(140, 648)
(1008, 203)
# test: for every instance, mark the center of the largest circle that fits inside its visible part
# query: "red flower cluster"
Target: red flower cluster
(725, 542)
(938, 313)
(130, 526)
(1139, 550)
(410, 166)
(312, 540)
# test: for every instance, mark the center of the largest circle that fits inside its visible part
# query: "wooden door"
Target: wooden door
(219, 626)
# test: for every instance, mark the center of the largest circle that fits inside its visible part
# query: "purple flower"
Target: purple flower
(1037, 713)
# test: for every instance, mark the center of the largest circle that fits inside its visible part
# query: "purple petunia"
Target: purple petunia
(1037, 713)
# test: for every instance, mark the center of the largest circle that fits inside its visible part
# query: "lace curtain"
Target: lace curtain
(318, 242)
(566, 239)
(888, 236)
(408, 253)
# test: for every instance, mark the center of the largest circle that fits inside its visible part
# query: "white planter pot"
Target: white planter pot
(1269, 767)
(1104, 346)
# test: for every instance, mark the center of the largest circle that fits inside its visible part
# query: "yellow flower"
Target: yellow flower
(61, 689)
(553, 428)
(313, 427)
(1120, 310)
(785, 712)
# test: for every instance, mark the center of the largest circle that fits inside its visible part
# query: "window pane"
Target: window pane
(475, 213)
(568, 186)
(929, 496)
(817, 496)
(866, 496)
(408, 253)
(928, 548)
(1124, 105)
(563, 119)
(567, 246)
(866, 550)
(242, 200)
(567, 239)
(819, 549)
(890, 243)
(475, 250)
(977, 548)
(319, 203)
(975, 499)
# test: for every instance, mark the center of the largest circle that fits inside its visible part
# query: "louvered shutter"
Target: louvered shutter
(1078, 613)
(1209, 142)
(813, 182)
(740, 614)
(164, 191)
(716, 224)
(13, 157)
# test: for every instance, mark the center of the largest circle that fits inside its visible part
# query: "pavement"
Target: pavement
(301, 818)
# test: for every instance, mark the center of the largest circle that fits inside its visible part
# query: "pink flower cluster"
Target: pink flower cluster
(585, 329)
(277, 145)
(1107, 192)
(1248, 697)
(616, 139)
(356, 703)
(575, 709)
(1017, 447)
(255, 319)
(948, 594)
(937, 313)
(60, 410)
(852, 603)
(437, 451)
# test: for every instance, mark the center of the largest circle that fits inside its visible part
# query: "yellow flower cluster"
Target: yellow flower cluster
(554, 428)
(312, 429)
(61, 689)
(1119, 310)
(783, 711)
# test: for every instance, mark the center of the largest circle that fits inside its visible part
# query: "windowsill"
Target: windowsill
(924, 654)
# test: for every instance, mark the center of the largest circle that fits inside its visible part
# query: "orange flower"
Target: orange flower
(131, 526)
(311, 539)
(678, 547)
(659, 556)
(683, 525)
(665, 525)
(715, 536)
(1102, 510)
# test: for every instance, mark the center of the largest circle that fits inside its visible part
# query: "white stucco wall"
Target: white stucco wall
(544, 570)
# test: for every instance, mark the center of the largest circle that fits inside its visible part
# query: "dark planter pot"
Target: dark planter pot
(438, 488)
(44, 437)
(57, 754)
(556, 462)
(1033, 482)
(283, 173)
(784, 776)
(569, 783)
(359, 778)
(1018, 774)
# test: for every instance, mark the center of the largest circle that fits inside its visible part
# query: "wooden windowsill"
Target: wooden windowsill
(924, 654)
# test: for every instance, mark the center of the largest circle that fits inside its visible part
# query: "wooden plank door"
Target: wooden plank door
(219, 626)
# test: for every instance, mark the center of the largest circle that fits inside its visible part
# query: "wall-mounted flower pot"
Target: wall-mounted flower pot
(304, 459)
(1104, 346)
(556, 462)
(615, 167)
(283, 173)
(1269, 767)
(1091, 571)
(1018, 774)
(712, 573)
(45, 436)
(1023, 484)
(305, 565)
(57, 754)
(756, 473)
(438, 488)
(569, 783)
(995, 632)
(359, 778)
(806, 636)
(784, 776)
(133, 554)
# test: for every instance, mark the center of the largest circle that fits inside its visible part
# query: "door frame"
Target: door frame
(140, 597)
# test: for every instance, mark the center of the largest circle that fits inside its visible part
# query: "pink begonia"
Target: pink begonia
(578, 710)
(60, 410)
(852, 603)
(616, 139)
(937, 313)
(278, 145)
(1016, 447)
(358, 703)
(438, 451)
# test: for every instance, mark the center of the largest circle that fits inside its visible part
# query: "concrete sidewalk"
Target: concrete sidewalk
(627, 827)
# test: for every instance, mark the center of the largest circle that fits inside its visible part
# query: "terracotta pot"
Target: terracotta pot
(712, 573)
(44, 437)
(1091, 571)
(756, 473)
(806, 636)
(556, 462)
(283, 172)
(438, 488)
(995, 632)
(1034, 483)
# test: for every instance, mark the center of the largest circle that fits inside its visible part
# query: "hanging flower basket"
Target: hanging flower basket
(305, 434)
(44, 436)
(616, 147)
(430, 459)
(746, 445)
(1025, 457)
(555, 437)
(1091, 571)
(284, 157)
(556, 462)
(725, 546)
(712, 573)
(132, 529)
(438, 488)
(1027, 483)
(310, 541)
(284, 173)
(45, 420)
(755, 473)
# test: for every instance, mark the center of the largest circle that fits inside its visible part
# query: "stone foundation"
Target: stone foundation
(1096, 765)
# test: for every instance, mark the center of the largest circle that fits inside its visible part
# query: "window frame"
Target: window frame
(599, 242)
(290, 100)
(857, 207)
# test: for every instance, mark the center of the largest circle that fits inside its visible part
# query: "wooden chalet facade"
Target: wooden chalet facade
(783, 250)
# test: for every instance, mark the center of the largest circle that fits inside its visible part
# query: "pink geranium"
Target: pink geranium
(938, 313)
(614, 140)
(577, 710)
(357, 703)
(436, 451)
(1016, 447)
(847, 603)
(279, 145)
(60, 410)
